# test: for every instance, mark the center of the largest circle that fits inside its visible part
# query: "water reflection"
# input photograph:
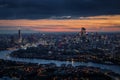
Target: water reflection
(5, 55)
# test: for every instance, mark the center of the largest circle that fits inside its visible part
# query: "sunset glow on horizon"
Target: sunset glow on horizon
(105, 23)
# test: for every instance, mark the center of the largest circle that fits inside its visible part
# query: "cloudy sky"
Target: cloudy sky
(59, 15)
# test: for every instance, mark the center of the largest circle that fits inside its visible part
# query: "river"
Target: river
(5, 55)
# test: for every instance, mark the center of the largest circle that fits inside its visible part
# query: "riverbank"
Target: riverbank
(30, 71)
(5, 55)
(100, 59)
(68, 59)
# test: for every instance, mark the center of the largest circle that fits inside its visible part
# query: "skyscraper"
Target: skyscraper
(19, 36)
(83, 31)
(19, 33)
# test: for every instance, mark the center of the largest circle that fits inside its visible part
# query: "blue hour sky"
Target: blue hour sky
(55, 11)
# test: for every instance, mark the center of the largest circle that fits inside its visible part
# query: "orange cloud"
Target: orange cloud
(93, 23)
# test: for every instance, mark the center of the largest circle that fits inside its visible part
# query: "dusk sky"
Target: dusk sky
(59, 15)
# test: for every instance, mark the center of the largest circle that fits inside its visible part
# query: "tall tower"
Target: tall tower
(19, 33)
(19, 36)
(83, 31)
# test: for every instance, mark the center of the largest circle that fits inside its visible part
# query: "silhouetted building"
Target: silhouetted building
(19, 36)
(83, 31)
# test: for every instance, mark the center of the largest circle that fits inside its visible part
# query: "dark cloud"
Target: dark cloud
(13, 28)
(112, 27)
(48, 26)
(41, 9)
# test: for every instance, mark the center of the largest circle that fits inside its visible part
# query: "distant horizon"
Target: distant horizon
(59, 16)
(36, 32)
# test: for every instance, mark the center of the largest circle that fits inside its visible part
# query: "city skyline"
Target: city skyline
(59, 39)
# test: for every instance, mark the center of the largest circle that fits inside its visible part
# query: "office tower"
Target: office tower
(19, 36)
(83, 32)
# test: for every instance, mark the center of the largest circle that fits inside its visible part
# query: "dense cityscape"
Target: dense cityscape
(59, 39)
(83, 46)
